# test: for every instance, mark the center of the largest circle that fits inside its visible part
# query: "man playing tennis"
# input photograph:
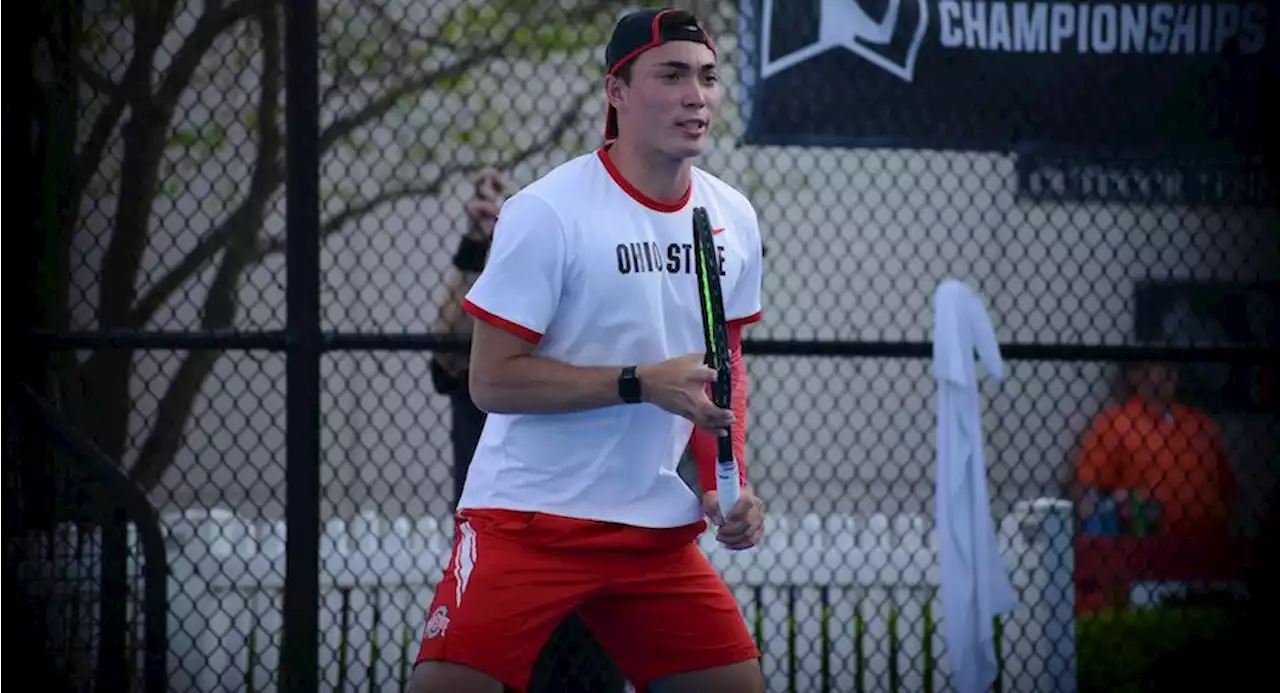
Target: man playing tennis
(587, 354)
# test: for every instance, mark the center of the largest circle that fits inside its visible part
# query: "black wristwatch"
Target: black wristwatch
(629, 385)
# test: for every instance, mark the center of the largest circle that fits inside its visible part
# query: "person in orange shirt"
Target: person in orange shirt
(1162, 450)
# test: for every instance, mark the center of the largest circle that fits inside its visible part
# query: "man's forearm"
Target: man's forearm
(451, 319)
(537, 385)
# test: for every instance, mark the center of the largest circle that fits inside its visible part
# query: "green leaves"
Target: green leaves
(452, 83)
(418, 154)
(1123, 651)
(209, 138)
(547, 40)
(478, 24)
(530, 26)
(184, 137)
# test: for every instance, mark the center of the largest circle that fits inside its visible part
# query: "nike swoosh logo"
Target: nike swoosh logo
(716, 232)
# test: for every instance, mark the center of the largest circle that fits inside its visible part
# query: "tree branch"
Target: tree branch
(568, 118)
(144, 144)
(97, 80)
(212, 23)
(135, 92)
(214, 242)
(336, 223)
(222, 301)
(380, 106)
(135, 87)
(267, 172)
(403, 33)
(344, 82)
(103, 409)
(206, 249)
(155, 20)
(174, 408)
(528, 12)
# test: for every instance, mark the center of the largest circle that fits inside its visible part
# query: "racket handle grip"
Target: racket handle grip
(727, 486)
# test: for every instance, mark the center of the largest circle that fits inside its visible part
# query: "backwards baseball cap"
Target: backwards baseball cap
(638, 32)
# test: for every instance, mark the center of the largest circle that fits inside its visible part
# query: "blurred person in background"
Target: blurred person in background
(1153, 462)
(572, 662)
(449, 368)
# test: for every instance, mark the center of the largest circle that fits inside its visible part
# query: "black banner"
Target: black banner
(1181, 78)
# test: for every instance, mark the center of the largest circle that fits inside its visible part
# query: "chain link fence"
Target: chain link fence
(175, 224)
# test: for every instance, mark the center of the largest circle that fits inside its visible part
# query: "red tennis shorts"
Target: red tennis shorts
(650, 597)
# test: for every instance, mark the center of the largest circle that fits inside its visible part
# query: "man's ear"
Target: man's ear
(614, 90)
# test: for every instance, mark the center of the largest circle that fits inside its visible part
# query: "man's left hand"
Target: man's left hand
(484, 205)
(745, 525)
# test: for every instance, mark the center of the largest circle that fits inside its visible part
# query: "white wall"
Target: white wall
(856, 242)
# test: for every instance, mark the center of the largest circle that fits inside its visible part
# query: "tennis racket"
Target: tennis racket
(716, 332)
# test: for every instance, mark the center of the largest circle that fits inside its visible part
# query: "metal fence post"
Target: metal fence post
(299, 665)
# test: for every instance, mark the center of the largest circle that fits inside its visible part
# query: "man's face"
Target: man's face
(672, 99)
(1156, 382)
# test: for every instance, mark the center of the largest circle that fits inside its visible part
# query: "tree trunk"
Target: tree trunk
(223, 299)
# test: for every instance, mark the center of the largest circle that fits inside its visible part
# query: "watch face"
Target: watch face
(629, 385)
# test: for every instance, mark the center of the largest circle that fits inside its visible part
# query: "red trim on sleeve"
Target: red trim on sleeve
(702, 444)
(497, 321)
(749, 320)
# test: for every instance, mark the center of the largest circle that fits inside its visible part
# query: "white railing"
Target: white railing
(876, 576)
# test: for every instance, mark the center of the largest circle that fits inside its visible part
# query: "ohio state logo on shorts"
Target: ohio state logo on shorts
(438, 623)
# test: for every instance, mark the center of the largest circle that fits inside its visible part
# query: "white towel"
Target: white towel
(975, 583)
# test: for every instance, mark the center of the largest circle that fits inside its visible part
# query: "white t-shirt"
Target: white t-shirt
(597, 274)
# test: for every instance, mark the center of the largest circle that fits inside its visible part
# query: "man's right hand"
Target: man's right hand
(679, 385)
(484, 205)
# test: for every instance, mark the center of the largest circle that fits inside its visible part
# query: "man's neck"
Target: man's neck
(657, 176)
(1157, 407)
